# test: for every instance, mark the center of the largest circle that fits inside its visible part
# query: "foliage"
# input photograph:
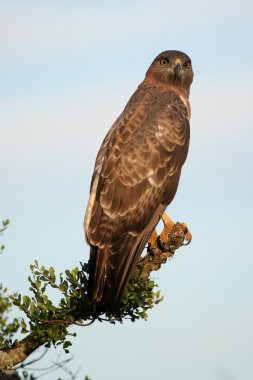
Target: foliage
(140, 296)
(50, 322)
(7, 328)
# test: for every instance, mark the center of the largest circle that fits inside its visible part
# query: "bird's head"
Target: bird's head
(172, 67)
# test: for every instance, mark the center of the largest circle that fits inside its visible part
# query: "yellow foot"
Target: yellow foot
(168, 225)
(153, 238)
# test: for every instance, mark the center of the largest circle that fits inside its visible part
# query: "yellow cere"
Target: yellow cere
(178, 61)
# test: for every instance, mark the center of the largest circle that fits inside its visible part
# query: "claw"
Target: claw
(188, 235)
(164, 237)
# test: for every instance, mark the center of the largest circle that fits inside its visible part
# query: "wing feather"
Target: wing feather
(135, 177)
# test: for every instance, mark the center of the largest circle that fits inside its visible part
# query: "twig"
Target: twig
(24, 365)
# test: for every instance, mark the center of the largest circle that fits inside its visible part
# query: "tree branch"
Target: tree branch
(158, 252)
(18, 352)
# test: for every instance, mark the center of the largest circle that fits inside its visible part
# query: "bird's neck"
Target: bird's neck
(181, 92)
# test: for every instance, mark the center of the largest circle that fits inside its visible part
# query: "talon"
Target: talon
(188, 235)
(164, 236)
(186, 230)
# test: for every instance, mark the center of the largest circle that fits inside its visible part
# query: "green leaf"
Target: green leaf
(23, 324)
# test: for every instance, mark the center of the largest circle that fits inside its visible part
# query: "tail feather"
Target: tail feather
(113, 295)
(111, 267)
(97, 272)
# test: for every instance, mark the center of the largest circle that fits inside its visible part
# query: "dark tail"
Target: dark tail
(111, 268)
(97, 273)
(110, 272)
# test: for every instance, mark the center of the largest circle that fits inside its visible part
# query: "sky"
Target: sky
(67, 70)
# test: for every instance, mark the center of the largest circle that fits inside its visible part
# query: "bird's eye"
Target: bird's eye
(187, 64)
(164, 62)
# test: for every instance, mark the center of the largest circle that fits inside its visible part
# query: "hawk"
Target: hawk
(136, 174)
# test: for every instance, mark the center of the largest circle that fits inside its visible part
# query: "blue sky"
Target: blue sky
(67, 70)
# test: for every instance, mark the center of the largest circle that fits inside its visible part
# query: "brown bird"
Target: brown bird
(136, 174)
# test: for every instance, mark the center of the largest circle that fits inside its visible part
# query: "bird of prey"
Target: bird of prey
(136, 174)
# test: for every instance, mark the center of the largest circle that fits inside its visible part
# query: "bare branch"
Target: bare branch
(25, 365)
(158, 252)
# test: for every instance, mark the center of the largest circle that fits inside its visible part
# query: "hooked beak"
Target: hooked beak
(177, 68)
